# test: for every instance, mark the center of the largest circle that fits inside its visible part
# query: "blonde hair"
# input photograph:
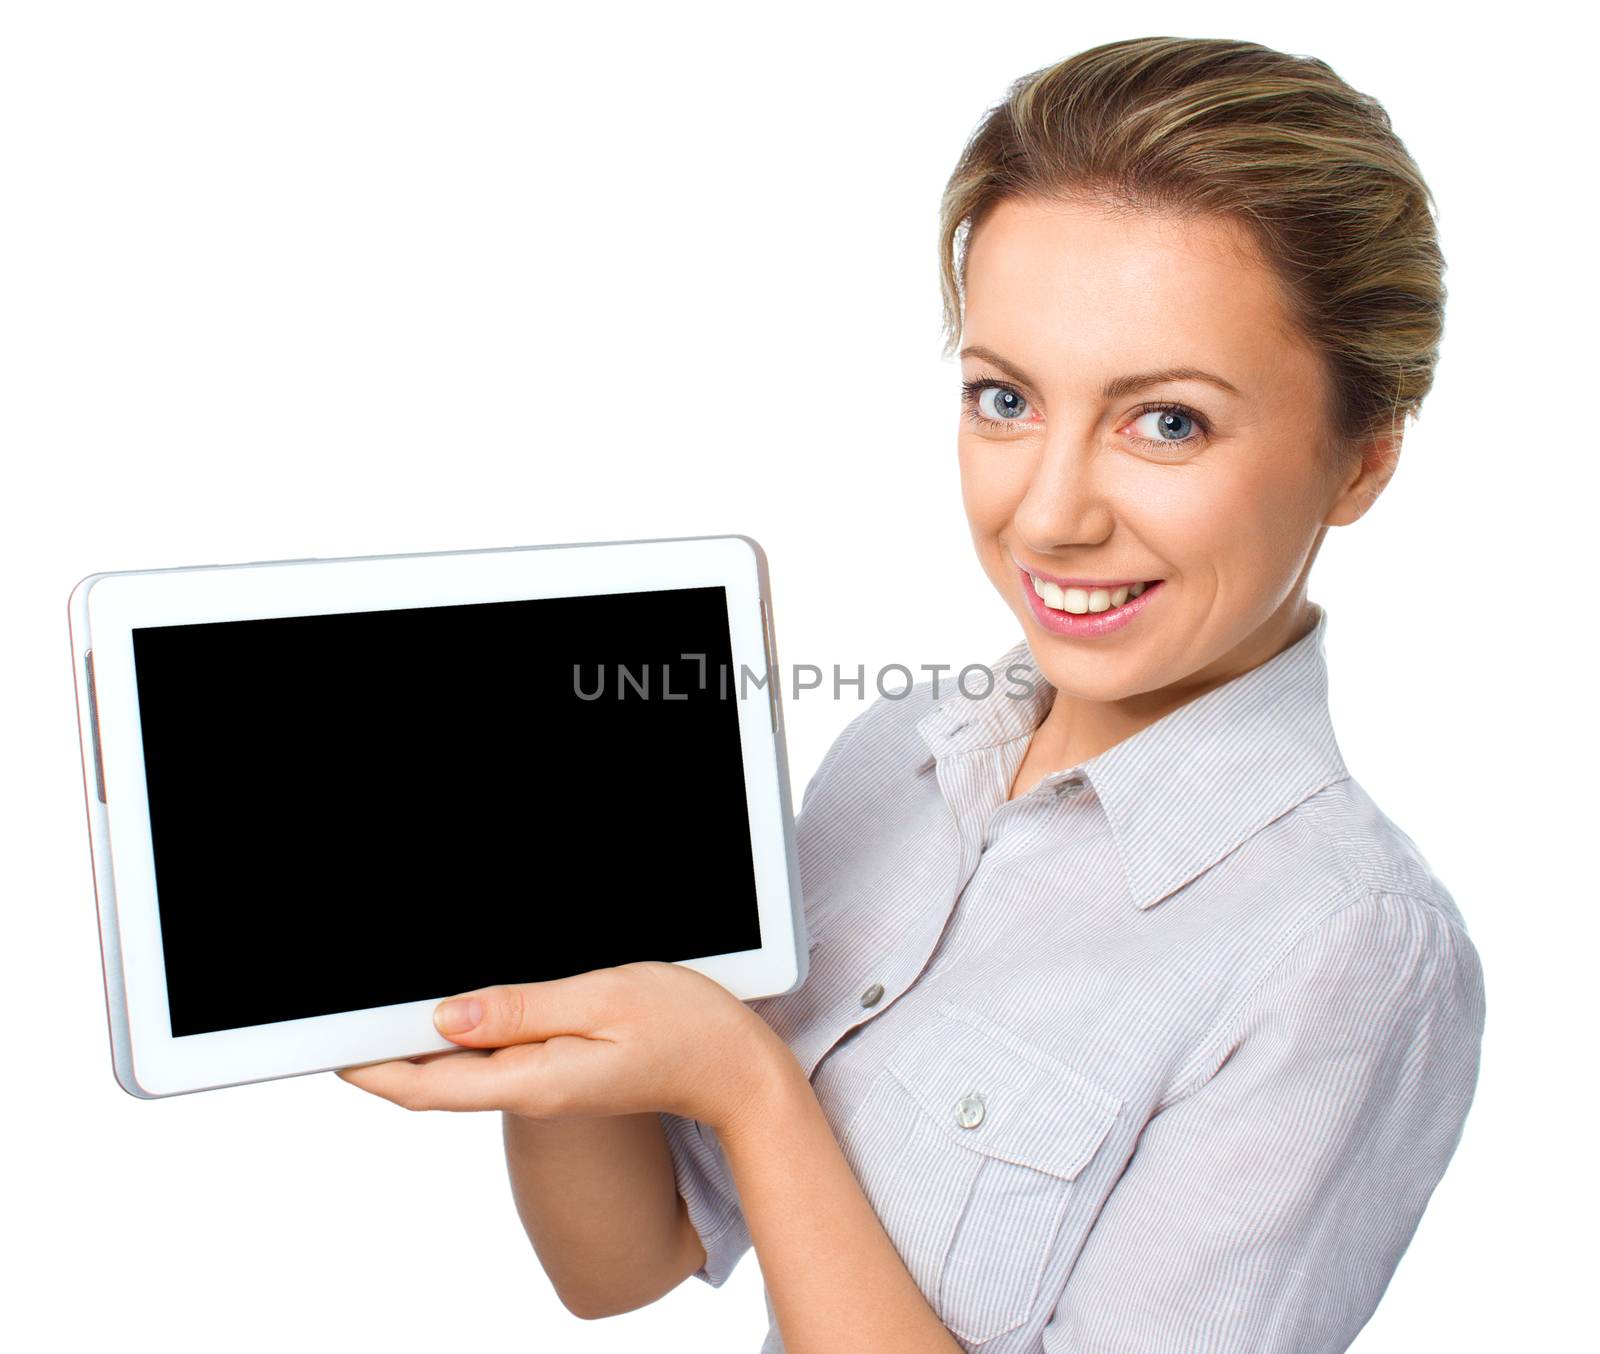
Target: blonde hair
(1211, 127)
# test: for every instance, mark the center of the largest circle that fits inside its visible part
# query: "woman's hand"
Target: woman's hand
(637, 1037)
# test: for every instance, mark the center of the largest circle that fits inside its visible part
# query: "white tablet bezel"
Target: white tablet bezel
(106, 608)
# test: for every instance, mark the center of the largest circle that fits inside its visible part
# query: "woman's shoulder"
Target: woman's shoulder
(871, 739)
(1376, 856)
(1335, 908)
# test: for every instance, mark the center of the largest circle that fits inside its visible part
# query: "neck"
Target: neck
(1076, 729)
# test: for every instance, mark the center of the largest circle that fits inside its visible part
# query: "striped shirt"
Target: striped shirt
(1167, 1054)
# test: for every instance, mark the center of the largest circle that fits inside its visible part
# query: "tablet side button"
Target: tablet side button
(772, 665)
(94, 725)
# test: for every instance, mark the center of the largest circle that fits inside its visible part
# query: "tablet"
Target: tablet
(325, 794)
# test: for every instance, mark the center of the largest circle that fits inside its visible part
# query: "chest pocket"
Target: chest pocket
(967, 1145)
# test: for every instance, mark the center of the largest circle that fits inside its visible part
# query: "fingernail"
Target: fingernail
(456, 1017)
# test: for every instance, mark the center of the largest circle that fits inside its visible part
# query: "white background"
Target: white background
(280, 280)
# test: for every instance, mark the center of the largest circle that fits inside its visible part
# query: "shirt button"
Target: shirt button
(872, 995)
(1067, 784)
(969, 1113)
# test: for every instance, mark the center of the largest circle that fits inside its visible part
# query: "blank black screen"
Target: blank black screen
(358, 810)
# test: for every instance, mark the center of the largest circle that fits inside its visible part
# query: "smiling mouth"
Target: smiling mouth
(1086, 601)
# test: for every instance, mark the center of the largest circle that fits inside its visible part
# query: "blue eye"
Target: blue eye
(1175, 425)
(1007, 407)
(1172, 424)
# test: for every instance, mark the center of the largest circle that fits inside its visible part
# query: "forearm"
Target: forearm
(834, 1278)
(597, 1199)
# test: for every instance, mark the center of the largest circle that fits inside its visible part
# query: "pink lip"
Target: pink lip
(1109, 584)
(1091, 623)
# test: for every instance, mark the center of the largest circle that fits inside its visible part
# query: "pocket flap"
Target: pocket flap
(1036, 1111)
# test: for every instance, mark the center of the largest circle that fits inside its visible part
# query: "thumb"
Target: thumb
(459, 1016)
(510, 1013)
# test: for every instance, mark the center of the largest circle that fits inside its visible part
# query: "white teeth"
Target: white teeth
(1081, 600)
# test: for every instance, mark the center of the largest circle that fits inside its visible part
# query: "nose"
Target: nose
(1066, 502)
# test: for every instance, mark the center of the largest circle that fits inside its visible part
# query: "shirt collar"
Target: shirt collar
(1182, 792)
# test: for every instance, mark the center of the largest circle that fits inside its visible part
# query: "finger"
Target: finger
(526, 1013)
(378, 1078)
(467, 1080)
(393, 1079)
(567, 1075)
(445, 1053)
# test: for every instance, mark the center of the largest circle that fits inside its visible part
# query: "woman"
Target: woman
(1132, 1023)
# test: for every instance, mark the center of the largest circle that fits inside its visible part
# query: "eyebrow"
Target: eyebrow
(1118, 385)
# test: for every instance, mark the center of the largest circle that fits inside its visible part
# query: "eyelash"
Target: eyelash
(970, 391)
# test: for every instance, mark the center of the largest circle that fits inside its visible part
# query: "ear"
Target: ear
(1366, 478)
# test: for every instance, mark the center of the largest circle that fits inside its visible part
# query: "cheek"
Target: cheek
(991, 488)
(1222, 517)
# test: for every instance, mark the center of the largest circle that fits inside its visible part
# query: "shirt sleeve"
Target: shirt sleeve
(830, 759)
(1267, 1208)
(698, 1164)
(706, 1186)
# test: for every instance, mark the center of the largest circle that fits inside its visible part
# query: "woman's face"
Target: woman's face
(1087, 456)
